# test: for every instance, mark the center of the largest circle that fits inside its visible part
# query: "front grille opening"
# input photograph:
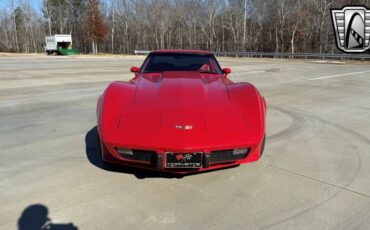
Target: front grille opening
(141, 155)
(227, 156)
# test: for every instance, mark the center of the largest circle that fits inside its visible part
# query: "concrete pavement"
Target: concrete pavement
(315, 172)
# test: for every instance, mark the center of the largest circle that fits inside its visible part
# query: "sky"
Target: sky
(35, 3)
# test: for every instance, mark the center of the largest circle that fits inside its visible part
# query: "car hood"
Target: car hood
(181, 110)
(181, 90)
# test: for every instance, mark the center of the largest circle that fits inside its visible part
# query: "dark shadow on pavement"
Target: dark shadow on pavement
(93, 155)
(35, 217)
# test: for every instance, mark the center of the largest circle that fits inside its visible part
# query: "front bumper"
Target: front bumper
(155, 160)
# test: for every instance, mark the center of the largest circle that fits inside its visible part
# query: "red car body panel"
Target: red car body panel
(143, 114)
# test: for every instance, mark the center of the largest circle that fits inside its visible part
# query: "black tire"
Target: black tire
(263, 145)
(99, 152)
(98, 147)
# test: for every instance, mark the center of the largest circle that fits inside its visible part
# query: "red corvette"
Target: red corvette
(181, 113)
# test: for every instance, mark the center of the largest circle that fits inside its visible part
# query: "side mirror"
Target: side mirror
(226, 71)
(135, 69)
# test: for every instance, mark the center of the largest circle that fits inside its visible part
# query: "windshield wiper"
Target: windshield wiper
(204, 71)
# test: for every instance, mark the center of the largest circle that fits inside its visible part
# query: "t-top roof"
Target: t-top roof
(182, 51)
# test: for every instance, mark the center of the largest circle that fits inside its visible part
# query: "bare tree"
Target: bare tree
(47, 14)
(323, 7)
(11, 3)
(113, 24)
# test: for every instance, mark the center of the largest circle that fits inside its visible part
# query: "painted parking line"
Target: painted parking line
(338, 75)
(251, 72)
(278, 70)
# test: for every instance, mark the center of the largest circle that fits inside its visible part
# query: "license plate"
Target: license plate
(184, 160)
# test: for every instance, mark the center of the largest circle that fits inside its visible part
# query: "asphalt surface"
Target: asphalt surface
(315, 172)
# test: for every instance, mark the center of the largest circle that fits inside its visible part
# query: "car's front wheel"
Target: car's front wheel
(263, 145)
(101, 150)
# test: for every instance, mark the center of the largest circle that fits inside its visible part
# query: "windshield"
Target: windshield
(160, 62)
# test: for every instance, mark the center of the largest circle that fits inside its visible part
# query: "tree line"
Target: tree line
(121, 26)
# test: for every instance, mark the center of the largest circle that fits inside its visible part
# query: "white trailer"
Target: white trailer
(58, 43)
